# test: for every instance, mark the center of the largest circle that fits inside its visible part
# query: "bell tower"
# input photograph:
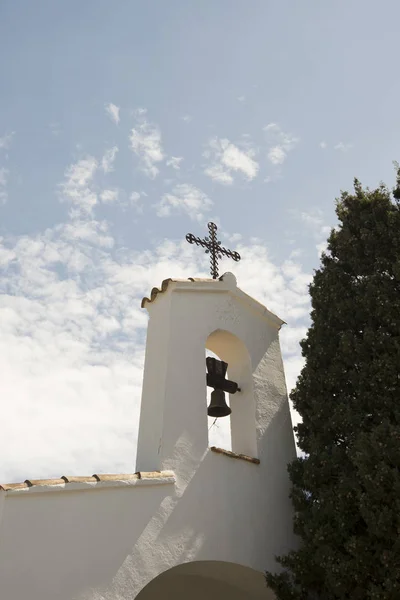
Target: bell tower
(187, 316)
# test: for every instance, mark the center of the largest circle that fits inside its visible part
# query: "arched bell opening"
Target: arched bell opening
(218, 412)
(214, 580)
(237, 387)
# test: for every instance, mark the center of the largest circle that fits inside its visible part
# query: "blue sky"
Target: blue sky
(125, 125)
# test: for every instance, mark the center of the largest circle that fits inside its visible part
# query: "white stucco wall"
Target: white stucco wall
(107, 541)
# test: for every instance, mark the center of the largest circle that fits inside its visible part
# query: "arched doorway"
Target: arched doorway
(208, 580)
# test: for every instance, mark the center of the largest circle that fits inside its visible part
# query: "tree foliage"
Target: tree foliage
(346, 488)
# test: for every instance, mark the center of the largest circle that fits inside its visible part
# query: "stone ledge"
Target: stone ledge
(255, 461)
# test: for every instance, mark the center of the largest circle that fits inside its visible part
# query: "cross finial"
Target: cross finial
(213, 248)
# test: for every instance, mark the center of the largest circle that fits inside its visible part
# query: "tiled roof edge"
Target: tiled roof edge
(250, 459)
(95, 479)
(164, 286)
(263, 309)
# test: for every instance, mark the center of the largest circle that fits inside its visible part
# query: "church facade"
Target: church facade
(191, 520)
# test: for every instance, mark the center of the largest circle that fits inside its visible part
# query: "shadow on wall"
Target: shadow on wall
(224, 508)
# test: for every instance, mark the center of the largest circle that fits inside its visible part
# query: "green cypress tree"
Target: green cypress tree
(346, 487)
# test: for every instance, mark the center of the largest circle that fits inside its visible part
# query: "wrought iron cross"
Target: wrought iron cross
(213, 248)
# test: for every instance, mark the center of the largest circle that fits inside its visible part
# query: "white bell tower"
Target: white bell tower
(186, 317)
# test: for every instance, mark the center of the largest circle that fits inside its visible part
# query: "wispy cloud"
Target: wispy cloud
(6, 140)
(55, 128)
(343, 147)
(3, 185)
(135, 201)
(76, 187)
(314, 220)
(323, 145)
(113, 112)
(174, 162)
(187, 118)
(226, 159)
(279, 142)
(146, 144)
(90, 232)
(82, 172)
(107, 162)
(134, 197)
(109, 196)
(185, 198)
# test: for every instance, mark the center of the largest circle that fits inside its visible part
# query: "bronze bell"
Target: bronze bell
(218, 407)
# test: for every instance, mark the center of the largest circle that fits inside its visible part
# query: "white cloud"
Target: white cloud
(234, 237)
(135, 201)
(342, 147)
(277, 155)
(218, 173)
(113, 112)
(241, 98)
(280, 143)
(187, 118)
(3, 176)
(3, 185)
(82, 172)
(323, 145)
(107, 162)
(134, 197)
(145, 141)
(91, 232)
(296, 253)
(5, 141)
(109, 196)
(174, 162)
(76, 188)
(185, 198)
(227, 159)
(314, 220)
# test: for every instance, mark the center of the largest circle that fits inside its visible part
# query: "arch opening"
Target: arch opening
(219, 429)
(238, 431)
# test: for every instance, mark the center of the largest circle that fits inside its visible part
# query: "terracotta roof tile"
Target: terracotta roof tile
(154, 474)
(13, 486)
(164, 286)
(115, 477)
(79, 479)
(32, 482)
(256, 461)
(96, 478)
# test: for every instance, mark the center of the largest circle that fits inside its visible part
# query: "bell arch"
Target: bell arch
(233, 351)
(209, 579)
(219, 429)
